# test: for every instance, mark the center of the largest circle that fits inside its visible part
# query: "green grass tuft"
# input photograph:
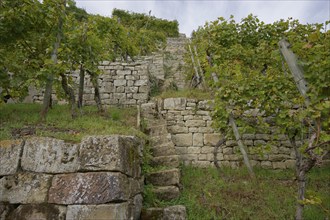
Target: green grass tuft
(231, 194)
(59, 123)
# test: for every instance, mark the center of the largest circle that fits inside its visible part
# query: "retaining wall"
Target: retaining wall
(190, 124)
(46, 178)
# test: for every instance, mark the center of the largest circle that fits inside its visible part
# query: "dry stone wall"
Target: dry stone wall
(129, 84)
(123, 84)
(190, 123)
(46, 178)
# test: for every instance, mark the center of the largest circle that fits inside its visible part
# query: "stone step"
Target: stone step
(172, 161)
(164, 178)
(165, 149)
(177, 212)
(166, 193)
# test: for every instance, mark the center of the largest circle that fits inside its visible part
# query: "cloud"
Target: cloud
(192, 13)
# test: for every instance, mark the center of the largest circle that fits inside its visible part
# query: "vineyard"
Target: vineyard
(254, 73)
(40, 42)
(264, 78)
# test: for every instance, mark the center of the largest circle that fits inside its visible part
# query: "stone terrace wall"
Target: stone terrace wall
(123, 84)
(46, 178)
(190, 124)
(128, 84)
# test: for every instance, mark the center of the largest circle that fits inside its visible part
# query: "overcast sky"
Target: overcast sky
(193, 13)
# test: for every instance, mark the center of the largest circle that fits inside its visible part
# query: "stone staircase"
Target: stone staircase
(166, 180)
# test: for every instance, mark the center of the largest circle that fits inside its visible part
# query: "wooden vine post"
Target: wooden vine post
(302, 167)
(238, 138)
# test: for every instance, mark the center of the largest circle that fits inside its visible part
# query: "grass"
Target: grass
(188, 93)
(231, 194)
(59, 124)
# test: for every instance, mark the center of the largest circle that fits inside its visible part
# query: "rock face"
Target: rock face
(40, 211)
(177, 212)
(24, 188)
(9, 156)
(111, 153)
(46, 178)
(50, 155)
(100, 212)
(88, 188)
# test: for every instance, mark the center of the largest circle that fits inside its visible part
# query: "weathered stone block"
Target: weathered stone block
(88, 188)
(207, 157)
(111, 153)
(120, 89)
(130, 82)
(211, 139)
(24, 188)
(38, 211)
(9, 156)
(207, 149)
(189, 157)
(120, 82)
(166, 192)
(193, 130)
(187, 112)
(266, 164)
(143, 89)
(168, 161)
(259, 143)
(279, 157)
(220, 156)
(264, 137)
(279, 165)
(203, 164)
(198, 140)
(207, 118)
(50, 155)
(175, 103)
(228, 151)
(205, 130)
(195, 123)
(192, 117)
(164, 177)
(152, 213)
(193, 150)
(131, 89)
(182, 140)
(141, 96)
(181, 150)
(284, 150)
(177, 212)
(206, 105)
(191, 104)
(124, 72)
(120, 96)
(290, 164)
(135, 187)
(177, 129)
(99, 212)
(248, 136)
(248, 142)
(141, 82)
(204, 113)
(135, 207)
(233, 157)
